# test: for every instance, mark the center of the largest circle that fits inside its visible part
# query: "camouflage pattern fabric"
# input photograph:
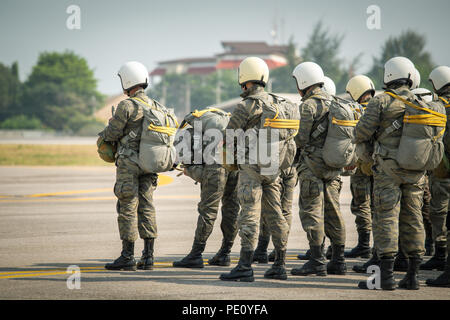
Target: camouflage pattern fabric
(133, 188)
(257, 195)
(258, 199)
(217, 185)
(320, 213)
(288, 183)
(439, 206)
(134, 192)
(398, 193)
(361, 187)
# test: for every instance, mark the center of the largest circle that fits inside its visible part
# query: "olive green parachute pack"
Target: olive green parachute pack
(156, 150)
(443, 169)
(339, 124)
(283, 116)
(423, 127)
(209, 118)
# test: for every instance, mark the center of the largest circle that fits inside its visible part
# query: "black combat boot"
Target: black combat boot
(146, 262)
(362, 249)
(243, 271)
(315, 265)
(410, 281)
(387, 281)
(272, 256)
(278, 269)
(337, 264)
(444, 278)
(126, 260)
(362, 268)
(438, 260)
(329, 253)
(260, 254)
(401, 262)
(429, 243)
(305, 256)
(222, 257)
(194, 259)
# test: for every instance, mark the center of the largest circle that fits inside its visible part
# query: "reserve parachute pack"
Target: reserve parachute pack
(156, 150)
(339, 150)
(283, 116)
(423, 127)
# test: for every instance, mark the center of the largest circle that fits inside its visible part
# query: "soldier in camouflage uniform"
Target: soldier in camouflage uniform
(398, 193)
(288, 183)
(440, 78)
(257, 194)
(134, 188)
(320, 185)
(216, 185)
(361, 90)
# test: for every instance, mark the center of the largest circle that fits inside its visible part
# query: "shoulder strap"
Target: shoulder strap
(446, 103)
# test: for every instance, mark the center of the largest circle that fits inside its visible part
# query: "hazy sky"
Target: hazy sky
(113, 32)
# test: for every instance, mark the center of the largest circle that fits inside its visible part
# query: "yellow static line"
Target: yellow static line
(40, 273)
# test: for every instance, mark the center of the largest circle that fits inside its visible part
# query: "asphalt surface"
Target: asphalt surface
(55, 217)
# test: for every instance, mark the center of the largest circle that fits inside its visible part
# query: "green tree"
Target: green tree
(408, 44)
(323, 48)
(61, 88)
(9, 90)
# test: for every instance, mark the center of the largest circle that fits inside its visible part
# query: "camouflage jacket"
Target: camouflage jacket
(312, 112)
(127, 117)
(446, 97)
(380, 114)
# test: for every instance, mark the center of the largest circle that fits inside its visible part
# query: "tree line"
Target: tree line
(61, 91)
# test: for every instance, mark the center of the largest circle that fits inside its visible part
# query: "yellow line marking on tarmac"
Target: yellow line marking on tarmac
(51, 194)
(62, 271)
(171, 197)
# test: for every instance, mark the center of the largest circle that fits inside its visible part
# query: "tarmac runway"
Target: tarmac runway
(55, 217)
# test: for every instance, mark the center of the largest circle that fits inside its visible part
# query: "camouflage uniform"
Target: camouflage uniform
(133, 188)
(288, 183)
(217, 185)
(320, 185)
(257, 196)
(398, 193)
(361, 187)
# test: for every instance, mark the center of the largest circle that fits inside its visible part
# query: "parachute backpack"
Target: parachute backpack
(421, 146)
(156, 150)
(283, 116)
(339, 150)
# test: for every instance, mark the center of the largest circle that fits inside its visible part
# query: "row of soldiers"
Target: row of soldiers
(387, 199)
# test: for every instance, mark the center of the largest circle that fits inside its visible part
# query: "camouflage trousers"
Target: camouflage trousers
(260, 198)
(320, 212)
(217, 185)
(398, 214)
(439, 206)
(361, 187)
(134, 192)
(288, 183)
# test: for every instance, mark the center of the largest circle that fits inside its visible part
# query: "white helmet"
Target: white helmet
(358, 86)
(253, 69)
(132, 74)
(398, 68)
(329, 86)
(440, 77)
(423, 94)
(416, 80)
(307, 74)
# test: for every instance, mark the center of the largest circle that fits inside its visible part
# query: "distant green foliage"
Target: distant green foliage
(22, 122)
(282, 80)
(409, 44)
(9, 90)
